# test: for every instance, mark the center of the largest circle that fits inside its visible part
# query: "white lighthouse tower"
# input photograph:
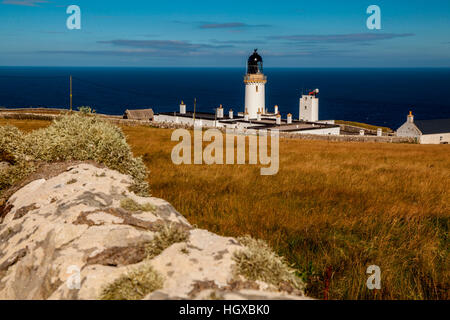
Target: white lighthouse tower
(255, 81)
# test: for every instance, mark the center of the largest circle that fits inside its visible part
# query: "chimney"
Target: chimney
(379, 132)
(276, 109)
(182, 108)
(258, 115)
(230, 114)
(289, 118)
(246, 115)
(278, 119)
(410, 117)
(219, 112)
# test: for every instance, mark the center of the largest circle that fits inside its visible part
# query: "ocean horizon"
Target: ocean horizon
(378, 96)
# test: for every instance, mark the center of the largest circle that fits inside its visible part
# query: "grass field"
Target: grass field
(26, 125)
(333, 209)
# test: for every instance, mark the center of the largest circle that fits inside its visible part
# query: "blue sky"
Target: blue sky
(223, 33)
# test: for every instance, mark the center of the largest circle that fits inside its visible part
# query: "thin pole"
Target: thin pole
(70, 93)
(195, 104)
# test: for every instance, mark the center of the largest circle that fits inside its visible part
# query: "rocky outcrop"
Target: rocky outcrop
(81, 234)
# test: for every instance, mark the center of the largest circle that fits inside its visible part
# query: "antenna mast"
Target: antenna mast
(70, 93)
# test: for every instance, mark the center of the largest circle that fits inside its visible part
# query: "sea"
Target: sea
(380, 97)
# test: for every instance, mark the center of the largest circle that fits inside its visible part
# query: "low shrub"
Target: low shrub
(74, 137)
(14, 173)
(11, 144)
(134, 285)
(12, 152)
(168, 235)
(86, 110)
(257, 261)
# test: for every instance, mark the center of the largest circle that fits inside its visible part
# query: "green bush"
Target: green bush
(76, 137)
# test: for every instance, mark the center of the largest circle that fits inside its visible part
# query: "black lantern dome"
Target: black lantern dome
(255, 63)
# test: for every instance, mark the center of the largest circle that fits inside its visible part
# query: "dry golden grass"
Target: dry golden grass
(34, 110)
(333, 209)
(25, 125)
(337, 206)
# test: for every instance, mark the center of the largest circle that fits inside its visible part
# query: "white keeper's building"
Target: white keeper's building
(426, 131)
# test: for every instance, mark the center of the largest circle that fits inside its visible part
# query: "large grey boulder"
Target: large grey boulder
(81, 234)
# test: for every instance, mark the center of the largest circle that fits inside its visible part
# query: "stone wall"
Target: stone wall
(343, 138)
(170, 125)
(350, 138)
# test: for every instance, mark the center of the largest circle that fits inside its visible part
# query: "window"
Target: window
(256, 88)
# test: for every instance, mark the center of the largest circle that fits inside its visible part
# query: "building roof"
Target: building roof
(140, 114)
(433, 126)
(293, 127)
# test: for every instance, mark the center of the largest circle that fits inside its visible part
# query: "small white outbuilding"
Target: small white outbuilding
(309, 107)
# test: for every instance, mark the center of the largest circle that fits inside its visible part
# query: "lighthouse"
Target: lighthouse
(255, 82)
